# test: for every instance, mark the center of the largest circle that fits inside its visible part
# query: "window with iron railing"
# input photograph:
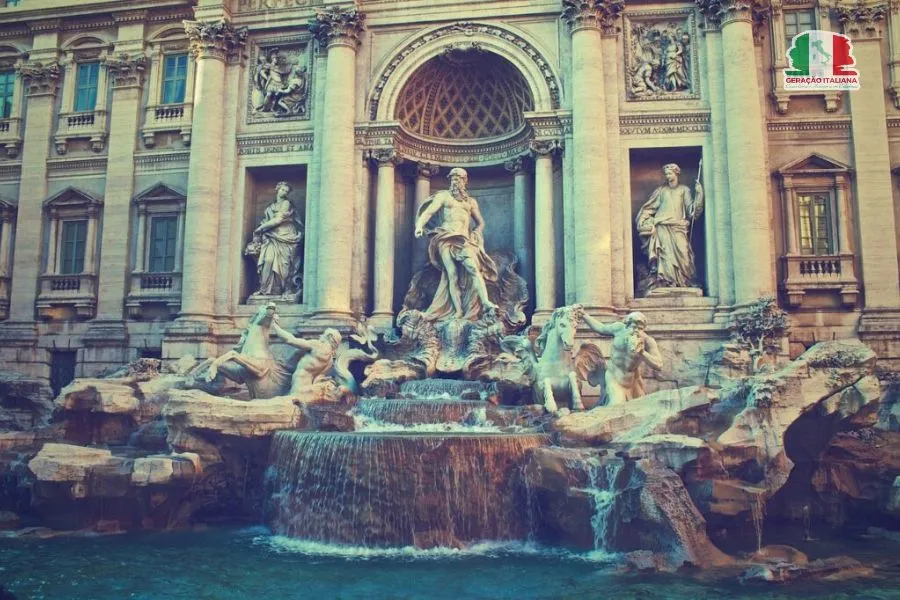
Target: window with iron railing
(86, 80)
(71, 252)
(7, 88)
(816, 227)
(163, 243)
(798, 21)
(174, 78)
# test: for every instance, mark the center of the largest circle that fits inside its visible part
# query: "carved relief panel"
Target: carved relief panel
(280, 80)
(661, 61)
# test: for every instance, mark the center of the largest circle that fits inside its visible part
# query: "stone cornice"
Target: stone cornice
(338, 26)
(10, 171)
(861, 19)
(249, 145)
(130, 16)
(40, 79)
(160, 161)
(592, 14)
(656, 124)
(813, 125)
(127, 70)
(13, 30)
(45, 25)
(215, 39)
(94, 164)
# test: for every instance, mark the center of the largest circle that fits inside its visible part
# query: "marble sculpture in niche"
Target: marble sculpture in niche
(276, 247)
(665, 224)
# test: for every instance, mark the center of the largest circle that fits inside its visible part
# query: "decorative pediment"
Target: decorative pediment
(72, 197)
(814, 164)
(159, 193)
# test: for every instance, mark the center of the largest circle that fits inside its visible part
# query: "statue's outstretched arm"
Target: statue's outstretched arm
(602, 328)
(290, 338)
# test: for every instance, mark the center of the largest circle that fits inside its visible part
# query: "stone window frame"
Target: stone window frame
(11, 132)
(92, 124)
(156, 287)
(78, 290)
(835, 271)
(822, 17)
(7, 227)
(160, 117)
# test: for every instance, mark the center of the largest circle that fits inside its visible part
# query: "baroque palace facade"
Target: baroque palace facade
(149, 145)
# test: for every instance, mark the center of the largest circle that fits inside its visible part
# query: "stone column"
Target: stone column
(591, 226)
(211, 43)
(544, 240)
(126, 70)
(521, 220)
(871, 159)
(620, 207)
(5, 233)
(790, 218)
(41, 77)
(745, 143)
(339, 31)
(424, 173)
(383, 309)
(314, 182)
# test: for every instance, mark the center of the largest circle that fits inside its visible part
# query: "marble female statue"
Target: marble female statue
(456, 249)
(276, 245)
(664, 224)
(676, 73)
(631, 348)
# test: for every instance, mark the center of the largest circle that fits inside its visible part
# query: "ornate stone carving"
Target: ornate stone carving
(631, 349)
(550, 363)
(337, 26)
(321, 373)
(126, 70)
(721, 12)
(545, 147)
(595, 14)
(658, 124)
(217, 39)
(467, 28)
(427, 170)
(384, 155)
(40, 78)
(861, 19)
(515, 165)
(665, 223)
(457, 251)
(276, 247)
(280, 83)
(660, 58)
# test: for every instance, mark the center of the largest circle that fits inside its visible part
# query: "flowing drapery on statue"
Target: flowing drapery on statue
(276, 244)
(457, 251)
(664, 224)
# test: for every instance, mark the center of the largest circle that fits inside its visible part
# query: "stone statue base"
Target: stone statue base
(289, 298)
(675, 292)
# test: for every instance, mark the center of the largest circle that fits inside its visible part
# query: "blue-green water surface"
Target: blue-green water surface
(226, 564)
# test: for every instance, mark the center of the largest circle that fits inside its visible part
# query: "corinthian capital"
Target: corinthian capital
(861, 19)
(40, 78)
(215, 39)
(592, 14)
(337, 26)
(126, 70)
(722, 12)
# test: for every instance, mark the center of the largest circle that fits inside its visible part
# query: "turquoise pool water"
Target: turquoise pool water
(226, 564)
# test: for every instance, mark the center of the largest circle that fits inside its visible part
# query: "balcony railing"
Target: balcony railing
(91, 125)
(67, 296)
(166, 118)
(821, 273)
(11, 135)
(149, 289)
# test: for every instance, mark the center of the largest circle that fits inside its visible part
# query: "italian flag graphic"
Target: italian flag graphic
(821, 60)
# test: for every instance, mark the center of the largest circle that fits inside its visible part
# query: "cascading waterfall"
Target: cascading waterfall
(379, 414)
(399, 489)
(444, 388)
(603, 478)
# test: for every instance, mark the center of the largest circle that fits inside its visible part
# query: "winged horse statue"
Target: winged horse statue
(556, 367)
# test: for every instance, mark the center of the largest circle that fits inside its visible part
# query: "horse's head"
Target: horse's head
(562, 326)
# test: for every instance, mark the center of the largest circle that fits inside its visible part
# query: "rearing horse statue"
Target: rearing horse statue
(556, 368)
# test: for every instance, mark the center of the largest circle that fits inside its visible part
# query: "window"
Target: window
(7, 85)
(71, 253)
(86, 86)
(796, 21)
(13, 2)
(163, 240)
(174, 78)
(814, 212)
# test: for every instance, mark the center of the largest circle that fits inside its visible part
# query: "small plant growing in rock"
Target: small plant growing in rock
(758, 329)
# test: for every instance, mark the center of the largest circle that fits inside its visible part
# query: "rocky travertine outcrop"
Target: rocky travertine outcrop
(24, 402)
